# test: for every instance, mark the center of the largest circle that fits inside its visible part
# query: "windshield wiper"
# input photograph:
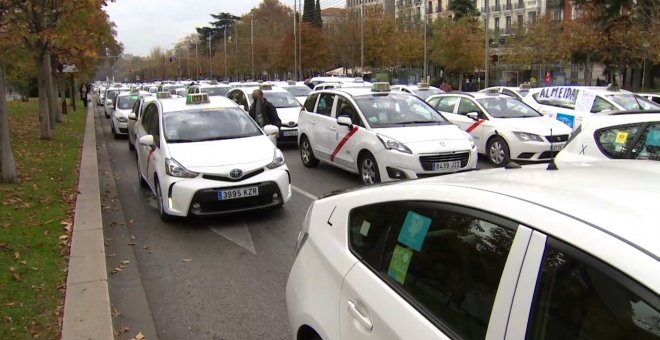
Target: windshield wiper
(420, 122)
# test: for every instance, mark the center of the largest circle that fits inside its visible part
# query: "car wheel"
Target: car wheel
(369, 169)
(498, 151)
(107, 115)
(306, 154)
(114, 132)
(164, 216)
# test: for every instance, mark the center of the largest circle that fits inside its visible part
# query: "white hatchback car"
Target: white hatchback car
(493, 254)
(503, 127)
(622, 135)
(382, 135)
(421, 90)
(204, 155)
(124, 102)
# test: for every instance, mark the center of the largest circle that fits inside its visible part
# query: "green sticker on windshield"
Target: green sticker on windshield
(399, 264)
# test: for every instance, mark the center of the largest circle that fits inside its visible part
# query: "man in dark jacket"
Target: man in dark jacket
(262, 111)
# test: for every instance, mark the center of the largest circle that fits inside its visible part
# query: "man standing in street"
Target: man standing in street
(262, 111)
(83, 93)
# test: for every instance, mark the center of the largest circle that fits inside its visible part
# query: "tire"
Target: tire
(498, 151)
(306, 154)
(369, 169)
(164, 216)
(114, 132)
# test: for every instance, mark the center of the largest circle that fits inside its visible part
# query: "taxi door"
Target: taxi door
(142, 128)
(473, 127)
(343, 139)
(324, 126)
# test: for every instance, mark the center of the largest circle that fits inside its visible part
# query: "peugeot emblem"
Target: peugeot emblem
(236, 173)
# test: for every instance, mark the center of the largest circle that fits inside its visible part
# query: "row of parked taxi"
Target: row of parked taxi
(561, 251)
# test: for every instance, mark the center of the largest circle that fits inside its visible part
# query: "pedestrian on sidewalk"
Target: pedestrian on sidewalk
(84, 92)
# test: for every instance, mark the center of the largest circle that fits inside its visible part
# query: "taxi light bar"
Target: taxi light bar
(265, 87)
(163, 95)
(380, 87)
(197, 98)
(423, 85)
(613, 87)
(525, 86)
(291, 82)
(358, 80)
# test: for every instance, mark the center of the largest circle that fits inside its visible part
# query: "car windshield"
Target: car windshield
(397, 109)
(299, 91)
(632, 102)
(507, 107)
(126, 102)
(215, 91)
(281, 99)
(111, 94)
(200, 125)
(425, 93)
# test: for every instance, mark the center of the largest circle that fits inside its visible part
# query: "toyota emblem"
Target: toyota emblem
(236, 173)
(292, 123)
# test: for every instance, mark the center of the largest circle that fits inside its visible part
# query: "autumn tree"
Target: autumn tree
(379, 38)
(625, 44)
(463, 8)
(581, 39)
(539, 44)
(7, 161)
(458, 46)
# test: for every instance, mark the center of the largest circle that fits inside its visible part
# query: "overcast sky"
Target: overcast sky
(145, 24)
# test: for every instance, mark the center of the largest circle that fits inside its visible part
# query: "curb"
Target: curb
(87, 312)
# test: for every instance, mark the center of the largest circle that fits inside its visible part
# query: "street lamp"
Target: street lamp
(487, 57)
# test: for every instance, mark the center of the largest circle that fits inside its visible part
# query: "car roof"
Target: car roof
(598, 121)
(475, 95)
(618, 197)
(600, 90)
(179, 104)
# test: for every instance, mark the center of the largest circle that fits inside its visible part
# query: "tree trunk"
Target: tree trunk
(55, 116)
(62, 90)
(460, 81)
(588, 76)
(44, 116)
(7, 161)
(73, 93)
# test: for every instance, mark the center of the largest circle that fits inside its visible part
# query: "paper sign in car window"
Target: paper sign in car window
(398, 268)
(566, 119)
(414, 230)
(653, 138)
(621, 137)
(584, 101)
(364, 229)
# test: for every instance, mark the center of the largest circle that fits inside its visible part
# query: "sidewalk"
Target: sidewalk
(87, 312)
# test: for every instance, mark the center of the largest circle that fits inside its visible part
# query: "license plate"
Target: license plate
(237, 193)
(557, 147)
(289, 133)
(447, 165)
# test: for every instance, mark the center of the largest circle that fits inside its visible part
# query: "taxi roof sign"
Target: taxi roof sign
(291, 82)
(423, 85)
(380, 86)
(265, 87)
(197, 98)
(163, 95)
(613, 87)
(358, 80)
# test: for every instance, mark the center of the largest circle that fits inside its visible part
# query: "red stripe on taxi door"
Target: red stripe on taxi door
(474, 125)
(342, 142)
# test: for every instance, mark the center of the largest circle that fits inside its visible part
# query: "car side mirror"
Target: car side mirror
(345, 121)
(272, 132)
(473, 115)
(131, 116)
(147, 140)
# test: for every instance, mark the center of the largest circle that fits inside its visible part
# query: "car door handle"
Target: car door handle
(333, 128)
(363, 319)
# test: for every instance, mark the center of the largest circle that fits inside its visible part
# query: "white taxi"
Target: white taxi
(570, 104)
(124, 102)
(298, 89)
(621, 135)
(286, 104)
(204, 155)
(523, 253)
(515, 92)
(421, 90)
(109, 101)
(381, 135)
(503, 127)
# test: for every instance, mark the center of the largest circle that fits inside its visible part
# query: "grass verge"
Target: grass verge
(35, 217)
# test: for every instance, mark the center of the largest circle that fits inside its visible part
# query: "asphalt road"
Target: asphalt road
(219, 278)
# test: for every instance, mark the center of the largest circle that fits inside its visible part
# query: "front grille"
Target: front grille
(123, 130)
(548, 154)
(557, 138)
(229, 179)
(427, 161)
(209, 203)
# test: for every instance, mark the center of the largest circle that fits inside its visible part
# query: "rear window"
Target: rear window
(615, 141)
(311, 102)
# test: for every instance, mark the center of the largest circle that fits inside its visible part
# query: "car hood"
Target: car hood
(537, 125)
(424, 139)
(122, 113)
(288, 115)
(219, 157)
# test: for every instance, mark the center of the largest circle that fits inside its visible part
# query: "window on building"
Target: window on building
(497, 25)
(508, 24)
(519, 22)
(430, 7)
(531, 17)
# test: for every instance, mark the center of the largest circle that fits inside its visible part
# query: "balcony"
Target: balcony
(508, 6)
(495, 8)
(519, 6)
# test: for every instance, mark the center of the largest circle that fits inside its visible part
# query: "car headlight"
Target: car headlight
(471, 139)
(173, 168)
(393, 144)
(528, 137)
(278, 160)
(122, 120)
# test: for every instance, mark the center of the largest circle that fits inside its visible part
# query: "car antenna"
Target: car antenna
(552, 165)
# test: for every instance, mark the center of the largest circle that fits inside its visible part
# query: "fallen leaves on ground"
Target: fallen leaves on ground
(139, 336)
(186, 260)
(15, 274)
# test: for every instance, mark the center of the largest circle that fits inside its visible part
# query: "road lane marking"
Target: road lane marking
(237, 233)
(304, 193)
